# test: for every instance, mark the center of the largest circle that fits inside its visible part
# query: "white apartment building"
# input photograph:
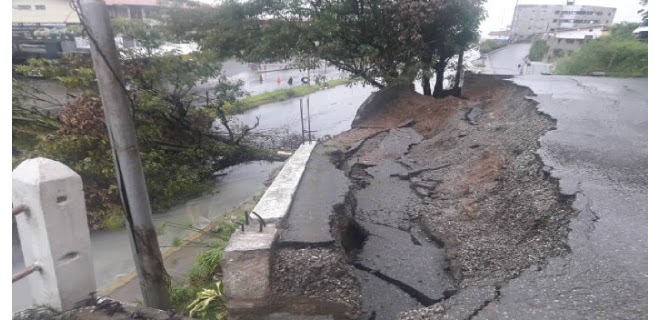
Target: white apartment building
(43, 12)
(530, 20)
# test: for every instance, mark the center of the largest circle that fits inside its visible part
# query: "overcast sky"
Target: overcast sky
(500, 12)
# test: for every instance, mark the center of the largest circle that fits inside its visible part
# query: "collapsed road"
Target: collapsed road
(431, 209)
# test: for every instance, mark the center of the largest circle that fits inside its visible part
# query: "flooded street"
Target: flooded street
(111, 251)
(331, 110)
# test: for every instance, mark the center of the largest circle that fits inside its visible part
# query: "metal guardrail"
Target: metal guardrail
(262, 222)
(34, 267)
(18, 209)
(27, 271)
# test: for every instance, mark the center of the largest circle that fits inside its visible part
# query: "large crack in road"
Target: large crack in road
(447, 202)
(396, 260)
(452, 207)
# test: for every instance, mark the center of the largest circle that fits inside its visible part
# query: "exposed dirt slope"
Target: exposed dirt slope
(480, 190)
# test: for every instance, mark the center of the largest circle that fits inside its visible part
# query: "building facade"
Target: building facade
(564, 43)
(531, 20)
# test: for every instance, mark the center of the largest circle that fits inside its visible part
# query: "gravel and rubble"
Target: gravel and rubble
(316, 274)
(476, 188)
(448, 201)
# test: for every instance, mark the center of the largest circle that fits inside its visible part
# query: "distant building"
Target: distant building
(502, 36)
(42, 28)
(563, 43)
(146, 10)
(531, 20)
(46, 28)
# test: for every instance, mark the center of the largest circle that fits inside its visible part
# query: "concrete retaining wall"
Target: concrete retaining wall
(246, 260)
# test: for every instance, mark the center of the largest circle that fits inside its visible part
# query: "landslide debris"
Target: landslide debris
(475, 186)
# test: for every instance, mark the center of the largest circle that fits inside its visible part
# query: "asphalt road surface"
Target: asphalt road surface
(599, 152)
(507, 59)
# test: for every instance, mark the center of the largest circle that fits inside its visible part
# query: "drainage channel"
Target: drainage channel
(399, 268)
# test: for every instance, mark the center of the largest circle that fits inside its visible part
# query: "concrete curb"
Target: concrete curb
(246, 261)
(275, 203)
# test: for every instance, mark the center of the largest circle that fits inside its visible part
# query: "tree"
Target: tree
(382, 41)
(452, 31)
(179, 145)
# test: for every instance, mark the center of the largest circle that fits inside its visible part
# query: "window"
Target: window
(557, 12)
(40, 7)
(554, 20)
(23, 7)
(570, 40)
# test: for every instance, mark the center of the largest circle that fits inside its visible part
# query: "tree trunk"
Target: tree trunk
(459, 71)
(373, 82)
(439, 78)
(426, 85)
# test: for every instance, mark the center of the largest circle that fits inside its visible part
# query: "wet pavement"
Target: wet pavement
(331, 111)
(599, 153)
(396, 251)
(259, 81)
(507, 59)
(321, 187)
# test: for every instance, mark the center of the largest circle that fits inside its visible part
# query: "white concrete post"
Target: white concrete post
(54, 232)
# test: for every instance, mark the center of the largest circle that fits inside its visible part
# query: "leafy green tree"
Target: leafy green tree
(384, 42)
(454, 28)
(179, 145)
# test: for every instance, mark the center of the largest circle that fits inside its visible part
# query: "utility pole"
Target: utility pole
(154, 281)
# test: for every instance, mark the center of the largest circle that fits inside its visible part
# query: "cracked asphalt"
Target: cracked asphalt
(599, 152)
(539, 208)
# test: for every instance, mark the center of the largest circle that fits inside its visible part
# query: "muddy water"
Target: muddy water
(111, 252)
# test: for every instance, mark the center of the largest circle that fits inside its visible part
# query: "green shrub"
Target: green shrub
(490, 45)
(113, 220)
(615, 56)
(538, 50)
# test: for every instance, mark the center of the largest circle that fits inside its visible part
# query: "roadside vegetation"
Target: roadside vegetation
(286, 94)
(618, 54)
(179, 147)
(490, 45)
(382, 42)
(538, 50)
(201, 295)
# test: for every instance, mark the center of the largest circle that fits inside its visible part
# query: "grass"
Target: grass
(176, 242)
(285, 94)
(200, 277)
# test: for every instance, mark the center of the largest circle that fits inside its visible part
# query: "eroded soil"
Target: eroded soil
(463, 173)
(447, 202)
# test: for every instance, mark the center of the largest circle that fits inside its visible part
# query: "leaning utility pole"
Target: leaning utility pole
(154, 281)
